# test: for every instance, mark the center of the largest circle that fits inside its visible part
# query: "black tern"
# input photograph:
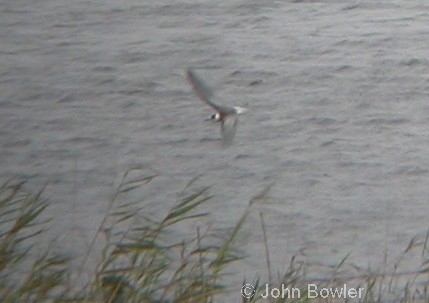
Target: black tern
(227, 115)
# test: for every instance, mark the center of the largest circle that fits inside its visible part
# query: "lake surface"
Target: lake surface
(337, 93)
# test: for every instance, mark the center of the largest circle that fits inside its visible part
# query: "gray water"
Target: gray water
(338, 120)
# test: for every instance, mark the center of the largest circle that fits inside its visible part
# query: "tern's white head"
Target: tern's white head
(215, 117)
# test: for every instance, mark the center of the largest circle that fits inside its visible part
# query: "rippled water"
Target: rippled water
(338, 121)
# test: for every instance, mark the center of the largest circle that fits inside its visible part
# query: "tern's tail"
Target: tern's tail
(240, 110)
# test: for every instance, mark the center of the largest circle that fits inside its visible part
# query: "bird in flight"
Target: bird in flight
(226, 115)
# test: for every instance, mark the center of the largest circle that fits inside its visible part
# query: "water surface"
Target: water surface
(337, 92)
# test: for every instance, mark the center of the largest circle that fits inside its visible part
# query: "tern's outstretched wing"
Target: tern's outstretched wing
(228, 129)
(205, 93)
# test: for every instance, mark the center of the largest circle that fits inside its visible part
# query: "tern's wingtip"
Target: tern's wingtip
(189, 71)
(190, 75)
